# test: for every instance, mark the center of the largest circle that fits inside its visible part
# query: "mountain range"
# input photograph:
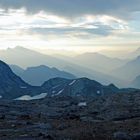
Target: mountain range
(95, 66)
(105, 64)
(38, 75)
(24, 58)
(123, 53)
(12, 86)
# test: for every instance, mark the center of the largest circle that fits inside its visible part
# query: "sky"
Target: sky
(70, 25)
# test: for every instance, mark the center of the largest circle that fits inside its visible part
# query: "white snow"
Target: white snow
(23, 87)
(53, 91)
(82, 104)
(28, 97)
(55, 86)
(25, 97)
(72, 82)
(58, 93)
(98, 92)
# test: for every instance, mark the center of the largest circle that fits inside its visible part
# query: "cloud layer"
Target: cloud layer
(72, 8)
(65, 22)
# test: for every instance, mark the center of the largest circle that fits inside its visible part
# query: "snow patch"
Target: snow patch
(55, 87)
(53, 92)
(23, 87)
(82, 104)
(58, 93)
(72, 82)
(98, 92)
(28, 97)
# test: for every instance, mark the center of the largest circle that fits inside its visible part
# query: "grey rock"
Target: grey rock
(121, 136)
(136, 136)
(62, 126)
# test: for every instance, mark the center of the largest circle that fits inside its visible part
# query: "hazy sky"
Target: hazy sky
(70, 24)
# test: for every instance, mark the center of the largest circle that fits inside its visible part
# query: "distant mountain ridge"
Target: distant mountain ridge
(79, 66)
(136, 82)
(105, 64)
(38, 75)
(135, 53)
(128, 71)
(26, 58)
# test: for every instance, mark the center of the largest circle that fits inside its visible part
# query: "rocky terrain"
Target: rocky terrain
(112, 117)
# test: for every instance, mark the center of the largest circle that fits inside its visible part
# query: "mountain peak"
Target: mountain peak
(112, 86)
(37, 75)
(20, 48)
(4, 68)
(77, 87)
(38, 67)
(2, 63)
(10, 84)
(92, 54)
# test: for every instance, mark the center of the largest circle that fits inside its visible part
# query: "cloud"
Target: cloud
(68, 21)
(101, 30)
(74, 8)
(43, 23)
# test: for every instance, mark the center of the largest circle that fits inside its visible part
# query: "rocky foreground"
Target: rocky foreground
(113, 117)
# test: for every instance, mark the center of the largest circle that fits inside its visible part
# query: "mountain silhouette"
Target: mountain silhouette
(38, 75)
(12, 86)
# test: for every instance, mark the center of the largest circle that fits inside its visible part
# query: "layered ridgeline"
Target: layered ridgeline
(108, 69)
(12, 87)
(128, 71)
(26, 58)
(105, 65)
(38, 75)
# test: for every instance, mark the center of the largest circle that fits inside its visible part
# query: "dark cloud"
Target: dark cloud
(72, 8)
